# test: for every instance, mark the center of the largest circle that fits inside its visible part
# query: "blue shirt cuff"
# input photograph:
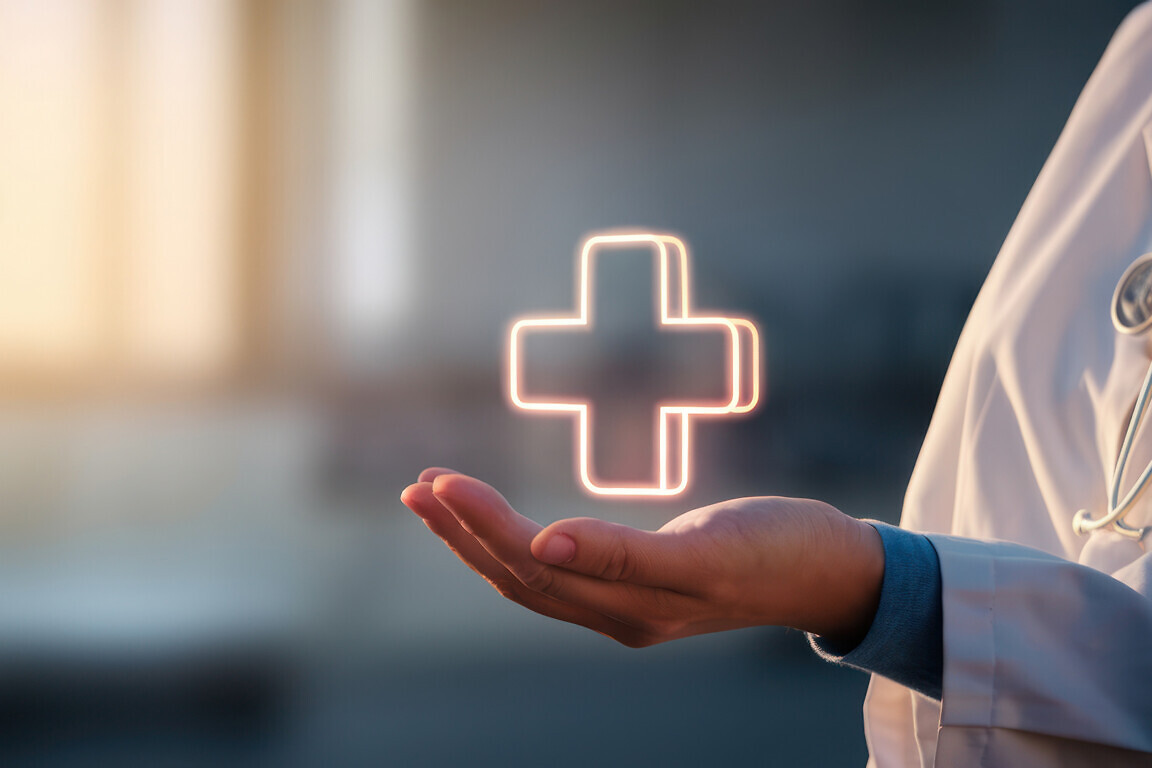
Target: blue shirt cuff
(906, 640)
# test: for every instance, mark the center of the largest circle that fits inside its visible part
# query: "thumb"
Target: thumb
(613, 552)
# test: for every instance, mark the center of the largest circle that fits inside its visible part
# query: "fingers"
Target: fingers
(482, 511)
(508, 537)
(615, 552)
(432, 473)
(419, 499)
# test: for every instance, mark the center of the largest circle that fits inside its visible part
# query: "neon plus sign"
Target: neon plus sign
(742, 369)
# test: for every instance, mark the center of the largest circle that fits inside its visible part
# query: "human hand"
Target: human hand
(739, 563)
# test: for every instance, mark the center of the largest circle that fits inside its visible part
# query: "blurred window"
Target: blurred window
(190, 187)
(178, 275)
(53, 207)
(118, 196)
(370, 235)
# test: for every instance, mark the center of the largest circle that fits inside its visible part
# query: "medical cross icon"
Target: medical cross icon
(674, 417)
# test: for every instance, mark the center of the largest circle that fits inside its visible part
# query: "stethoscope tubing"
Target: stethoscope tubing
(1082, 522)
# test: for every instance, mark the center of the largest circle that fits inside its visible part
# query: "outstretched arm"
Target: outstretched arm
(740, 563)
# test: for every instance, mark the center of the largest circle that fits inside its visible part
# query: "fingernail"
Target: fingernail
(559, 549)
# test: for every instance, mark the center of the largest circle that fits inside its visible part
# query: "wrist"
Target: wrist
(849, 580)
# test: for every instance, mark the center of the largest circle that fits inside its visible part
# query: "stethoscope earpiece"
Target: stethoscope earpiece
(1132, 300)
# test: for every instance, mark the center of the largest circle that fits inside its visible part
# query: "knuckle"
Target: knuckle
(538, 579)
(619, 565)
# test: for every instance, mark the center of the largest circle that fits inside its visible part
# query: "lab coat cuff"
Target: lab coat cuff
(1039, 644)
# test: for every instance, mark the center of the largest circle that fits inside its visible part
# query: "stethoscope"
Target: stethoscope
(1131, 314)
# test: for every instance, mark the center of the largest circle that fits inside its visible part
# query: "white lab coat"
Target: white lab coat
(1047, 646)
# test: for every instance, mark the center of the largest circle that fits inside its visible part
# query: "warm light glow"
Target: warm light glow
(179, 269)
(53, 185)
(669, 249)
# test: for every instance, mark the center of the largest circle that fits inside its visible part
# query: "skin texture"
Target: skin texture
(740, 563)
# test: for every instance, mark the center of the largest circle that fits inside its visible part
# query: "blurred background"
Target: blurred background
(257, 261)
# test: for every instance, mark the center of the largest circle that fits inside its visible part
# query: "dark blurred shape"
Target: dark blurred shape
(201, 708)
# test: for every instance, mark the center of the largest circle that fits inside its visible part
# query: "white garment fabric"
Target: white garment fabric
(1047, 646)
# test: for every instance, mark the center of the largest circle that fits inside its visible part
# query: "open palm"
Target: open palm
(739, 563)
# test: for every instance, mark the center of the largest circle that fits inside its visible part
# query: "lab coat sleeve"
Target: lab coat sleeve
(1043, 647)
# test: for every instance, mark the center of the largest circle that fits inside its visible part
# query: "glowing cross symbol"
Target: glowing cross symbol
(673, 435)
